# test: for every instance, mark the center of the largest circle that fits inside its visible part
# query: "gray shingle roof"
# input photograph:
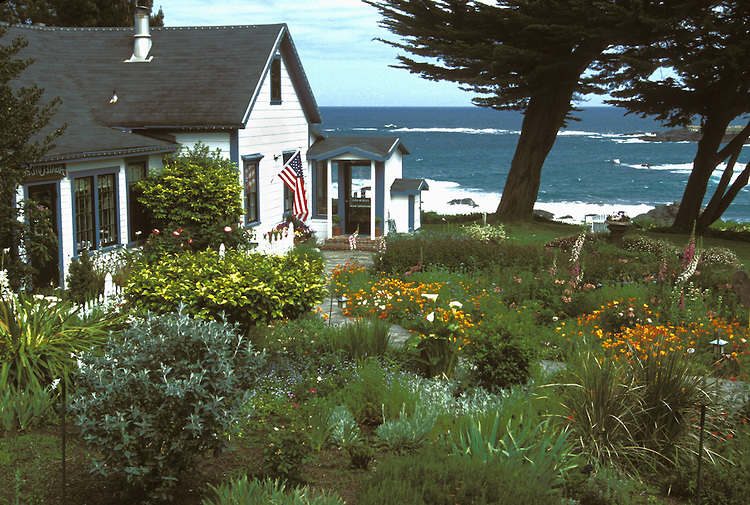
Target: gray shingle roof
(199, 77)
(409, 186)
(375, 148)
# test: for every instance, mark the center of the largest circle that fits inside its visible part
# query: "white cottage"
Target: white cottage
(131, 95)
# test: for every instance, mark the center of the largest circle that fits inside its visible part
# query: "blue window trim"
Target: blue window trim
(96, 173)
(246, 159)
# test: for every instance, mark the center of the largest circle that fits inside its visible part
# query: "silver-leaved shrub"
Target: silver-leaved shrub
(167, 389)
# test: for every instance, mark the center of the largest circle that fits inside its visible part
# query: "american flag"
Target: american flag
(292, 176)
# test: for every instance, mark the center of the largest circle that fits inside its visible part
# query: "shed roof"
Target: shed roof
(199, 77)
(408, 186)
(374, 148)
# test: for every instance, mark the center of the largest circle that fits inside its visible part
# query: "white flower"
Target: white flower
(430, 296)
(430, 317)
(456, 304)
(690, 350)
(555, 318)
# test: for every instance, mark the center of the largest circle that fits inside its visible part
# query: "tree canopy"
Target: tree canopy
(75, 12)
(709, 79)
(534, 56)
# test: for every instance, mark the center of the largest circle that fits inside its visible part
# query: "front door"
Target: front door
(47, 270)
(357, 198)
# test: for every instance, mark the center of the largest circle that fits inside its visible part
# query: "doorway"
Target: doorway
(357, 198)
(46, 270)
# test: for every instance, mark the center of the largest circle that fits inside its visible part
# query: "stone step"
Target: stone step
(341, 243)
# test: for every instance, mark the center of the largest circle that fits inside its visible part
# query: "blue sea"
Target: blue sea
(598, 165)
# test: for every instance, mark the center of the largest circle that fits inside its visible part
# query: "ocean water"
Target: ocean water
(598, 165)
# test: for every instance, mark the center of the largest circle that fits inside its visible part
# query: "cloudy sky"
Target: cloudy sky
(334, 39)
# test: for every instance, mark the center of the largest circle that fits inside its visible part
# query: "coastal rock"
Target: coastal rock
(543, 214)
(663, 215)
(463, 201)
(689, 134)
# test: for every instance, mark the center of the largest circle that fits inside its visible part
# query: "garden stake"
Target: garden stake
(700, 456)
(62, 423)
(330, 309)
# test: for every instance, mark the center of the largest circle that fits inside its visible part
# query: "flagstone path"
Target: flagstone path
(333, 258)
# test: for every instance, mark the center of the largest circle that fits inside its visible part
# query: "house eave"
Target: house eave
(103, 155)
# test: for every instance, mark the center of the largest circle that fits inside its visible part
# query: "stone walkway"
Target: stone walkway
(336, 317)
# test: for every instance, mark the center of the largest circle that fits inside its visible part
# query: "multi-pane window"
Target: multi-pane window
(138, 217)
(107, 190)
(95, 199)
(276, 80)
(251, 191)
(84, 212)
(321, 189)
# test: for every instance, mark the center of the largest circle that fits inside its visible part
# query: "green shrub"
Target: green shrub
(436, 478)
(40, 339)
(344, 429)
(242, 491)
(376, 390)
(82, 284)
(455, 253)
(195, 203)
(288, 449)
(247, 288)
(360, 455)
(407, 433)
(167, 389)
(504, 352)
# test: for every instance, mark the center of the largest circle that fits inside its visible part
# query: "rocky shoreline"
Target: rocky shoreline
(688, 134)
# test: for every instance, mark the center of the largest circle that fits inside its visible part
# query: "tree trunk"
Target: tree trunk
(705, 162)
(723, 197)
(544, 117)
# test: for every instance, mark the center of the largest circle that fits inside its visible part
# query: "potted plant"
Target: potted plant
(378, 226)
(617, 224)
(336, 230)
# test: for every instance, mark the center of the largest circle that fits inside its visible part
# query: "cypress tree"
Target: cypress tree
(533, 56)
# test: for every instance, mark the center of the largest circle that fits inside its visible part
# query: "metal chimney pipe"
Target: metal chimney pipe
(142, 44)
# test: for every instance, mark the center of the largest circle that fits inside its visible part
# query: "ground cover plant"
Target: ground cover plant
(554, 371)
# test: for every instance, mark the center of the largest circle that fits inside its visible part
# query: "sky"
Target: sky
(335, 40)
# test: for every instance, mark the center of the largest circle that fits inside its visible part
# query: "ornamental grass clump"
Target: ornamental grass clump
(168, 389)
(40, 339)
(362, 338)
(264, 492)
(629, 411)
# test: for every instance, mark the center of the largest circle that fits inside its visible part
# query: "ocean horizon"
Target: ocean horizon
(598, 165)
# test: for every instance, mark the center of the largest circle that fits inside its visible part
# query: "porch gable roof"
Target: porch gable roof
(373, 148)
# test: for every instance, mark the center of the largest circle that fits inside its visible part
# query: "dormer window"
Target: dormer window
(276, 80)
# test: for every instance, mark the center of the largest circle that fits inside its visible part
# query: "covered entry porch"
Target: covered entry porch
(354, 177)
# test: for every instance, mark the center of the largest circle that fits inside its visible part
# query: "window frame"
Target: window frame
(320, 193)
(133, 205)
(275, 76)
(247, 162)
(288, 201)
(95, 210)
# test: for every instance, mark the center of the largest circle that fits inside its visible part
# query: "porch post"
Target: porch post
(329, 196)
(372, 199)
